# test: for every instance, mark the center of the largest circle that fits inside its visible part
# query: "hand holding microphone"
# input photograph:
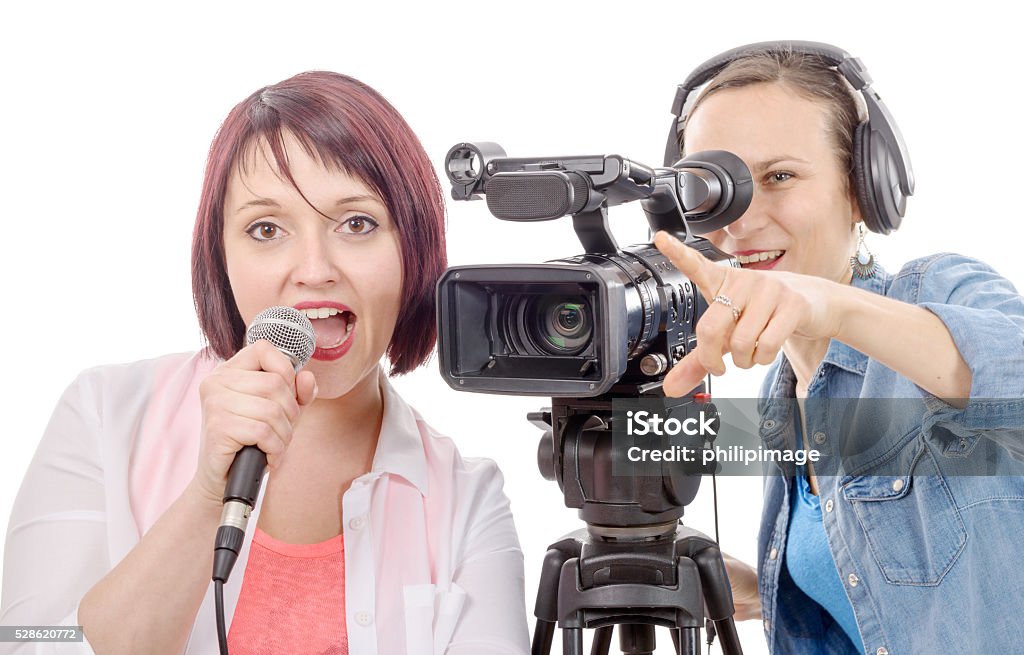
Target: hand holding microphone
(250, 406)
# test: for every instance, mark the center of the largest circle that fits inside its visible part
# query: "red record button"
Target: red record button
(702, 398)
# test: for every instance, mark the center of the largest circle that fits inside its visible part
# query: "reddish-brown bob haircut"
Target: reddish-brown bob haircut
(349, 125)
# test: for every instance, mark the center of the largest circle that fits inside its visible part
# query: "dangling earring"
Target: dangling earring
(863, 263)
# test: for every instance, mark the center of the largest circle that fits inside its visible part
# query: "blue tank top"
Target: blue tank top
(810, 562)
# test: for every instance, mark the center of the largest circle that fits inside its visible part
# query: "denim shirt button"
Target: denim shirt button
(882, 650)
(829, 505)
(774, 554)
(853, 579)
(768, 424)
(897, 485)
(767, 626)
(819, 438)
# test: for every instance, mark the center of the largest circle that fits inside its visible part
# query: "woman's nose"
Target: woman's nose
(752, 221)
(315, 264)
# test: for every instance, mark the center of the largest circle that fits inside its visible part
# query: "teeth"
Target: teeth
(315, 313)
(319, 312)
(759, 256)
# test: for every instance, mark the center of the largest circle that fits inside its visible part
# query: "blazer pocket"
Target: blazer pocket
(911, 522)
(430, 617)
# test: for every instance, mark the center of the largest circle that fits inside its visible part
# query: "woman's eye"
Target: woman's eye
(264, 231)
(358, 225)
(779, 177)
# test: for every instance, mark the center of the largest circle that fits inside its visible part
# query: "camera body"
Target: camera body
(571, 327)
(610, 320)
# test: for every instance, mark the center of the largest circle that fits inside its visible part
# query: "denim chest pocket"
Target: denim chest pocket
(911, 522)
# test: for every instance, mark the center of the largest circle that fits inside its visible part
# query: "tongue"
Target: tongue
(330, 331)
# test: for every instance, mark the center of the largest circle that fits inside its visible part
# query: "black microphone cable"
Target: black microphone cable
(222, 633)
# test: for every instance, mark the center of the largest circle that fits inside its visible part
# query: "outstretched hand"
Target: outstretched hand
(750, 314)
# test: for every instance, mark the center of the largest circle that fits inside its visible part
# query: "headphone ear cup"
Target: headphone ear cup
(862, 176)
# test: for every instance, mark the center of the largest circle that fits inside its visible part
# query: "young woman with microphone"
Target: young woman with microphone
(372, 534)
(894, 549)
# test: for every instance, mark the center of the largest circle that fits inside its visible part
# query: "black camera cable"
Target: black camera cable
(709, 625)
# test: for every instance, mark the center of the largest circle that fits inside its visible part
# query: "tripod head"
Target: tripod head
(585, 449)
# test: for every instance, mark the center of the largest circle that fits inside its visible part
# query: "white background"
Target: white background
(107, 113)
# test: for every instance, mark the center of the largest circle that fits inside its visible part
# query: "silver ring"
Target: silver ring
(727, 301)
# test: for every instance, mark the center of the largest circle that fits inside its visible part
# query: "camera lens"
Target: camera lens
(563, 326)
(542, 325)
(568, 318)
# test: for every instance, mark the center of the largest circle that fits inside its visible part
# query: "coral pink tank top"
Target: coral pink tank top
(292, 599)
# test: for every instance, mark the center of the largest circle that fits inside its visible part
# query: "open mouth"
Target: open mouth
(764, 259)
(332, 326)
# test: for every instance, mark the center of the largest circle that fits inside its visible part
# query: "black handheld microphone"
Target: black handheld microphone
(292, 333)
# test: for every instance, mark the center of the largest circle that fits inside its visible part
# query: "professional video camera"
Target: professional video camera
(597, 332)
(579, 326)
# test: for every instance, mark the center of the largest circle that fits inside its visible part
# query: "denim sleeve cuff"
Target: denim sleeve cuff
(992, 345)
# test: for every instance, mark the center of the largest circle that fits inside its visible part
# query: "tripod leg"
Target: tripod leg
(718, 597)
(689, 641)
(546, 609)
(675, 639)
(572, 641)
(636, 639)
(728, 637)
(602, 641)
(543, 635)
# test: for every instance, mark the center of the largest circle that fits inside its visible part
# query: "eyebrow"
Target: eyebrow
(768, 163)
(363, 197)
(347, 200)
(257, 202)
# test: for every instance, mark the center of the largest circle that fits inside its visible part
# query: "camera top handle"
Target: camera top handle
(699, 194)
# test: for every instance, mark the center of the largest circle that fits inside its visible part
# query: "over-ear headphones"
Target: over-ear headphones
(882, 174)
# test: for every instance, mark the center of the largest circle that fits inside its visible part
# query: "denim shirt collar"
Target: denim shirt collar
(777, 415)
(838, 354)
(843, 356)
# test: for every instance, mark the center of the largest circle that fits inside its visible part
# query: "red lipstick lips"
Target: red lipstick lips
(336, 352)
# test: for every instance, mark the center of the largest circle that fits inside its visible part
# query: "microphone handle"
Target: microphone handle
(243, 488)
(246, 476)
(291, 332)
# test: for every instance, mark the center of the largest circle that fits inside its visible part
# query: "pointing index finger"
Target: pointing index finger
(703, 272)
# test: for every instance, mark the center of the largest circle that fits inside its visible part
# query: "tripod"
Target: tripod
(634, 565)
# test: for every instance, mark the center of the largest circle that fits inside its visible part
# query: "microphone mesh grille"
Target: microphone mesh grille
(288, 329)
(529, 197)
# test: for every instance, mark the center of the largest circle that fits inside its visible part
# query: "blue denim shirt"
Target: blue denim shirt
(932, 561)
